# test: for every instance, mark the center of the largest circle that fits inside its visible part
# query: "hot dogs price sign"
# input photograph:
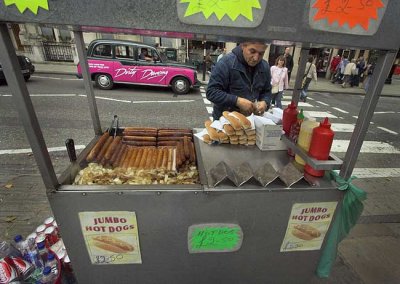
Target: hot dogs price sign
(111, 237)
(307, 226)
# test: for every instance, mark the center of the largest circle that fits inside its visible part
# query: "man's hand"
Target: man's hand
(246, 107)
(261, 107)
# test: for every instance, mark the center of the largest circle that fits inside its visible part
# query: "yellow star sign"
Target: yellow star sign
(232, 8)
(32, 5)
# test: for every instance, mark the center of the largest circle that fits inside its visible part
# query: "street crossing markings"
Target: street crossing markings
(207, 102)
(28, 150)
(152, 102)
(203, 95)
(115, 100)
(375, 172)
(320, 114)
(322, 103)
(342, 127)
(209, 109)
(53, 95)
(340, 146)
(384, 112)
(301, 104)
(387, 130)
(340, 110)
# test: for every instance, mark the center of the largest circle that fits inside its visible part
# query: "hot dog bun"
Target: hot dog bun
(244, 122)
(305, 232)
(112, 244)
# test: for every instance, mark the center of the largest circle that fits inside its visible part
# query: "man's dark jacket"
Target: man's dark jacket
(232, 78)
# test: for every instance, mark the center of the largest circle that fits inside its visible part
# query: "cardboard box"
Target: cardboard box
(268, 135)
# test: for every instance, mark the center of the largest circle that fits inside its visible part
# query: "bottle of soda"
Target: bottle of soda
(43, 251)
(25, 269)
(52, 263)
(47, 276)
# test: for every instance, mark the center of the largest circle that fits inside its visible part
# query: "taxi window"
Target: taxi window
(124, 51)
(102, 50)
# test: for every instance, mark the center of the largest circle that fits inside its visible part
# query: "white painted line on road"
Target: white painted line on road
(320, 114)
(209, 109)
(375, 172)
(53, 95)
(289, 98)
(340, 146)
(383, 112)
(211, 118)
(322, 103)
(28, 150)
(387, 130)
(203, 95)
(340, 110)
(151, 102)
(301, 104)
(356, 117)
(115, 100)
(308, 98)
(207, 102)
(342, 127)
(7, 95)
(55, 78)
(201, 87)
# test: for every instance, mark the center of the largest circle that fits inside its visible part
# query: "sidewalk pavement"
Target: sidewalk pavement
(323, 85)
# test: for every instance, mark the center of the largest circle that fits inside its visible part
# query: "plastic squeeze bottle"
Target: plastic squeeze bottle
(294, 131)
(320, 147)
(289, 117)
(305, 135)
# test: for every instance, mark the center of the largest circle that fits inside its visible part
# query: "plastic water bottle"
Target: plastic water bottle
(33, 253)
(52, 263)
(43, 251)
(47, 276)
(21, 246)
(7, 249)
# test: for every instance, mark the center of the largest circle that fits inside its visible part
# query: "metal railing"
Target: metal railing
(57, 51)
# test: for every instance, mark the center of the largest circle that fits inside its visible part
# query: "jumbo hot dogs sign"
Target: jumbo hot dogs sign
(307, 226)
(111, 237)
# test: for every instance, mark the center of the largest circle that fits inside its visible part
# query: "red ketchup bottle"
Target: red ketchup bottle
(320, 147)
(295, 130)
(289, 117)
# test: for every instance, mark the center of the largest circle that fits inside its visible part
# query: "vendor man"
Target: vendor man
(241, 81)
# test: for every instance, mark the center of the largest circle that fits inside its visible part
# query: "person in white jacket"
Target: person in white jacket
(349, 71)
(279, 80)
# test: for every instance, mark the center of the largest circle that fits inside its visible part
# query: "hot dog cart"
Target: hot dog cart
(232, 226)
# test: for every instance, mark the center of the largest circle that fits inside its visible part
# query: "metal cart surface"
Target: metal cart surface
(164, 213)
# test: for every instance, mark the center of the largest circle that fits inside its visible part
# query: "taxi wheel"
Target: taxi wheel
(180, 85)
(104, 81)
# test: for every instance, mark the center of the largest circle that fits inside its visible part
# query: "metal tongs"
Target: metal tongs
(114, 126)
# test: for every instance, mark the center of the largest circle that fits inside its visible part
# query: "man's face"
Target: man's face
(253, 52)
(287, 49)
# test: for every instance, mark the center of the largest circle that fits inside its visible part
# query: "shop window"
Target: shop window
(48, 33)
(65, 35)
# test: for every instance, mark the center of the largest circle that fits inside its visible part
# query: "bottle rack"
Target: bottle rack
(333, 162)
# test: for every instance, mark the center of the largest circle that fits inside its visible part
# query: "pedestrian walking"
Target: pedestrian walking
(222, 54)
(349, 71)
(311, 73)
(340, 70)
(279, 80)
(288, 61)
(334, 64)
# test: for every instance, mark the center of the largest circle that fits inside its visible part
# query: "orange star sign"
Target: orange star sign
(351, 12)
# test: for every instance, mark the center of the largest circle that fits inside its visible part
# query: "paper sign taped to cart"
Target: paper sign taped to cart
(239, 13)
(307, 226)
(359, 17)
(111, 237)
(214, 237)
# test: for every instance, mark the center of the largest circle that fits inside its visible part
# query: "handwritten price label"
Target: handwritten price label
(214, 238)
(109, 259)
(351, 12)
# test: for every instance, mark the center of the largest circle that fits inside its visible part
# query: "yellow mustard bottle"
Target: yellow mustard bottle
(304, 140)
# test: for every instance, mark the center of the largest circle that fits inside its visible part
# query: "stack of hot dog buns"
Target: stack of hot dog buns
(145, 148)
(238, 131)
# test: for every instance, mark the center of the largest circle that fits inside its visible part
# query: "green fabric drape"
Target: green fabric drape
(346, 219)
